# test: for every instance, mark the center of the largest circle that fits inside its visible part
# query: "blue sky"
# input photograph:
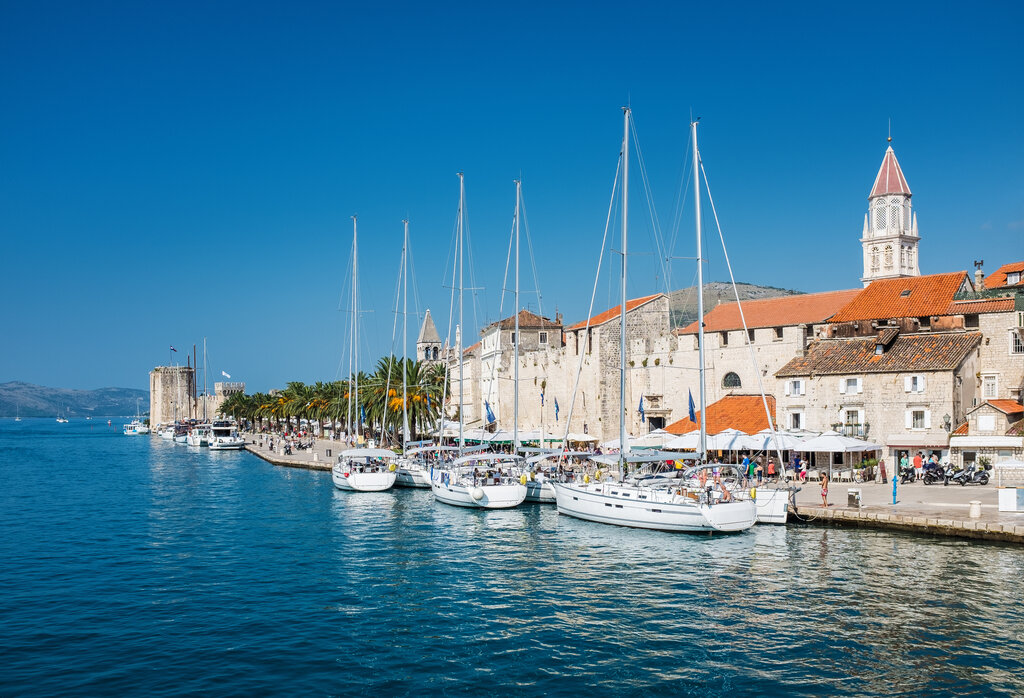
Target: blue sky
(179, 170)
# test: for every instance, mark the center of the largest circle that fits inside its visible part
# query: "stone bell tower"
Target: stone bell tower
(428, 344)
(890, 227)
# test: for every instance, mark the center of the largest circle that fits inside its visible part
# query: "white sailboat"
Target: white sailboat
(666, 507)
(61, 419)
(361, 469)
(476, 480)
(17, 413)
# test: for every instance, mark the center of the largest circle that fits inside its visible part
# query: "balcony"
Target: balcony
(858, 431)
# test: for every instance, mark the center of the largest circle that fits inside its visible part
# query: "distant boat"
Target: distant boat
(61, 419)
(224, 437)
(17, 417)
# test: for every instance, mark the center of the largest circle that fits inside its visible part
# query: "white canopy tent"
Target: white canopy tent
(834, 442)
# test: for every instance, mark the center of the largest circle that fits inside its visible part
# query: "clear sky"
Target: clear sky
(170, 171)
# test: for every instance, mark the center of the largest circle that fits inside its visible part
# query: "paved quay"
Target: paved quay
(928, 509)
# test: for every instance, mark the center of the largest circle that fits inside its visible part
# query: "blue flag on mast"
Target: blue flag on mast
(490, 415)
(693, 415)
(641, 408)
(556, 409)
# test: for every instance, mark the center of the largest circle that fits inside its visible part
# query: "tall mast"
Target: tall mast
(206, 397)
(515, 392)
(700, 298)
(623, 438)
(458, 331)
(355, 331)
(405, 344)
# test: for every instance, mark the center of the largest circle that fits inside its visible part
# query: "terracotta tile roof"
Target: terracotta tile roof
(471, 349)
(922, 352)
(774, 312)
(982, 305)
(914, 296)
(890, 179)
(1016, 429)
(1008, 407)
(961, 430)
(997, 279)
(613, 313)
(526, 320)
(743, 412)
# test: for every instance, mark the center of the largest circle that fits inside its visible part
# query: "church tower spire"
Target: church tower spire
(890, 227)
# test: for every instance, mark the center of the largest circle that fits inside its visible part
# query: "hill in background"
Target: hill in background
(683, 303)
(30, 400)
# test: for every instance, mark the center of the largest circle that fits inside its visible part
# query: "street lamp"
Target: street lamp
(946, 423)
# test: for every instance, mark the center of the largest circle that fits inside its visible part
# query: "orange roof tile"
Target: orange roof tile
(1009, 407)
(920, 352)
(743, 412)
(997, 279)
(527, 320)
(982, 305)
(806, 308)
(472, 348)
(915, 296)
(613, 313)
(961, 430)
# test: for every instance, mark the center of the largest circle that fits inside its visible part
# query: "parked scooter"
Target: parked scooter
(972, 475)
(907, 475)
(934, 473)
(949, 473)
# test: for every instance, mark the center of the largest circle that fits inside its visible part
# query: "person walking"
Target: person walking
(824, 489)
(771, 470)
(918, 467)
(904, 464)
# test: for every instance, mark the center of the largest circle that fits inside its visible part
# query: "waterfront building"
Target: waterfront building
(993, 430)
(173, 395)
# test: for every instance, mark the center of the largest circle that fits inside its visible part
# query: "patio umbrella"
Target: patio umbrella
(834, 442)
(727, 440)
(686, 442)
(580, 438)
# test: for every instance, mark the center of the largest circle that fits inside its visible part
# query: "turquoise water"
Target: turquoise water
(135, 566)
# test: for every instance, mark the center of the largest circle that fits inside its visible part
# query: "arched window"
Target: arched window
(731, 380)
(426, 353)
(888, 256)
(435, 353)
(879, 214)
(874, 259)
(894, 212)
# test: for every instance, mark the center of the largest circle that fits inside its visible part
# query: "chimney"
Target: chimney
(979, 275)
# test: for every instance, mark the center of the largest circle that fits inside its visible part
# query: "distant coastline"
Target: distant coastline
(27, 400)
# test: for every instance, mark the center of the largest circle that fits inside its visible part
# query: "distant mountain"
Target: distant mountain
(30, 400)
(683, 303)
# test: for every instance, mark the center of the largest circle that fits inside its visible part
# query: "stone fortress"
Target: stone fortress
(907, 361)
(173, 395)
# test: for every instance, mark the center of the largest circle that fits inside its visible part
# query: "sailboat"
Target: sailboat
(477, 480)
(135, 426)
(201, 434)
(61, 419)
(17, 412)
(665, 504)
(361, 469)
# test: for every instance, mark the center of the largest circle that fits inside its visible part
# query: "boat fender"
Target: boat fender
(391, 467)
(523, 479)
(532, 477)
(586, 479)
(597, 476)
(753, 493)
(476, 493)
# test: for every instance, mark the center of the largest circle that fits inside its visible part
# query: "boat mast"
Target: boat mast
(355, 331)
(702, 446)
(405, 341)
(458, 329)
(516, 338)
(206, 396)
(623, 438)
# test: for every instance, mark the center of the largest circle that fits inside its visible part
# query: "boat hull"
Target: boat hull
(412, 477)
(218, 445)
(607, 503)
(540, 491)
(490, 496)
(772, 506)
(351, 481)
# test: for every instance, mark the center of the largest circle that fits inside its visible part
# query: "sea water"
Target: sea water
(133, 565)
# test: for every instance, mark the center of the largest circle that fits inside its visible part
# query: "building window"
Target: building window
(542, 337)
(796, 420)
(917, 419)
(435, 353)
(778, 333)
(849, 386)
(1016, 343)
(513, 338)
(874, 259)
(971, 321)
(894, 212)
(426, 353)
(879, 214)
(989, 387)
(888, 256)
(731, 380)
(1012, 278)
(750, 336)
(986, 422)
(795, 387)
(913, 384)
(725, 338)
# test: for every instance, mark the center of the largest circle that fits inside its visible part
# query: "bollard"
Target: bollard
(975, 509)
(853, 497)
(316, 456)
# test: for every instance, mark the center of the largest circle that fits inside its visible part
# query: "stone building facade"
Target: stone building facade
(171, 390)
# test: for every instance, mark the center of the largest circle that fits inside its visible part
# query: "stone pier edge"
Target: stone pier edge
(955, 528)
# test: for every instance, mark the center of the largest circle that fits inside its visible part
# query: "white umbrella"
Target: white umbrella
(614, 443)
(580, 438)
(727, 440)
(686, 442)
(764, 441)
(834, 442)
(654, 439)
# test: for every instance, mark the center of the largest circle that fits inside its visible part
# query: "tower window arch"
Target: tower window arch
(435, 353)
(888, 256)
(426, 353)
(732, 380)
(894, 211)
(874, 259)
(879, 214)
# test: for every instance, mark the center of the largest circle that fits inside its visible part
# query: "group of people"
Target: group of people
(918, 463)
